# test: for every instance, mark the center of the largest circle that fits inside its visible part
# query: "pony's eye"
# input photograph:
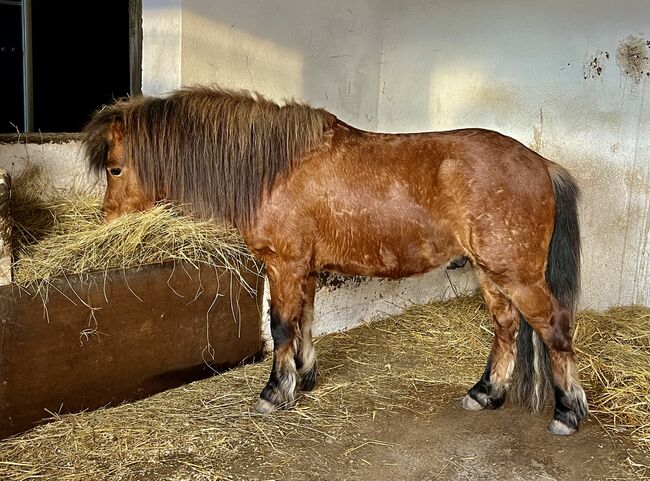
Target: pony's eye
(115, 171)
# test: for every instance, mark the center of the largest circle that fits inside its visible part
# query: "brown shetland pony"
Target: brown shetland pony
(311, 193)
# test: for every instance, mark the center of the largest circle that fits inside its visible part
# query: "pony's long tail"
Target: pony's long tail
(532, 379)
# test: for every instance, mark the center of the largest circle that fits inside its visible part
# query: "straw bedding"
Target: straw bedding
(206, 430)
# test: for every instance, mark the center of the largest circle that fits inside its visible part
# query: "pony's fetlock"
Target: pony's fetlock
(308, 378)
(570, 409)
(279, 392)
(486, 395)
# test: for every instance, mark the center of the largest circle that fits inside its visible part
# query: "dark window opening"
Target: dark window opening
(81, 58)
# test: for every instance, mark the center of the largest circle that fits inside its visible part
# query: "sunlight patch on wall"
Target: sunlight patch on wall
(161, 46)
(216, 53)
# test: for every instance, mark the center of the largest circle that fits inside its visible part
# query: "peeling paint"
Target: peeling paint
(633, 57)
(594, 65)
(331, 281)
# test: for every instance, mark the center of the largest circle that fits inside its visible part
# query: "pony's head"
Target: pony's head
(104, 144)
(215, 151)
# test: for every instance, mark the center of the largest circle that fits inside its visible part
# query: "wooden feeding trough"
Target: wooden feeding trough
(104, 338)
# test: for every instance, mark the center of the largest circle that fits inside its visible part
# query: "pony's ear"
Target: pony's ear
(116, 132)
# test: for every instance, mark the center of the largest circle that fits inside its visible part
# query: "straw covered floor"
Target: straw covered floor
(413, 363)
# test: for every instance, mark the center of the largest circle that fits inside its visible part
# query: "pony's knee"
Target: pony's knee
(282, 330)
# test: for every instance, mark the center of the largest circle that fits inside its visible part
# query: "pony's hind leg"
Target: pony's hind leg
(305, 358)
(490, 391)
(552, 322)
(287, 289)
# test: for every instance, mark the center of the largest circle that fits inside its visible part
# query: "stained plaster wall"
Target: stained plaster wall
(567, 79)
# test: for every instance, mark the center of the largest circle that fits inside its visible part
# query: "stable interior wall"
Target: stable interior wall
(567, 79)
(327, 54)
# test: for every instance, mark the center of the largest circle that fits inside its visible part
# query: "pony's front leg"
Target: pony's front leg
(287, 295)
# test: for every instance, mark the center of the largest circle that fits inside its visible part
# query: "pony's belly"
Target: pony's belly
(383, 260)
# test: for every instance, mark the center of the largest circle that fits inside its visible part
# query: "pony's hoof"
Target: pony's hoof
(470, 403)
(558, 428)
(265, 407)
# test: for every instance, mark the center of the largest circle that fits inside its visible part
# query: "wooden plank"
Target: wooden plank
(121, 336)
(5, 228)
(135, 47)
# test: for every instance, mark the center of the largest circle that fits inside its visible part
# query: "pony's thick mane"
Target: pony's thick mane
(211, 149)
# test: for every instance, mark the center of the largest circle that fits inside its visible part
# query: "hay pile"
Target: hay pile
(614, 358)
(61, 232)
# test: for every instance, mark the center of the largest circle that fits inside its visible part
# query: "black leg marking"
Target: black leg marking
(308, 379)
(569, 411)
(280, 390)
(280, 331)
(486, 394)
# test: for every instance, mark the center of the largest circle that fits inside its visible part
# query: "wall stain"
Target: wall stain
(636, 180)
(594, 65)
(333, 281)
(633, 57)
(538, 131)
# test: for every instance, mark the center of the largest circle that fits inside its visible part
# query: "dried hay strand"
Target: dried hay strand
(58, 232)
(613, 350)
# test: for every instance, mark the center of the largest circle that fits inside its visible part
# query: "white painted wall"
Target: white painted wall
(63, 163)
(327, 54)
(323, 53)
(161, 46)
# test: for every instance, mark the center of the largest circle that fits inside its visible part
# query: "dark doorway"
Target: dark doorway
(82, 57)
(80, 60)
